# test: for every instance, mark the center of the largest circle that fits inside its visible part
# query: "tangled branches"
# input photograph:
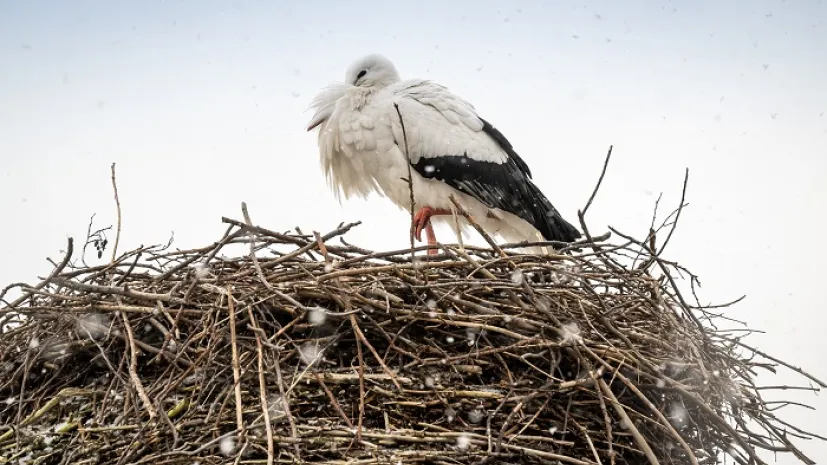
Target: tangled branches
(304, 351)
(301, 350)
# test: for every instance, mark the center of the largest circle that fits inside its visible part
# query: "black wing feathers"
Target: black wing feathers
(506, 145)
(506, 186)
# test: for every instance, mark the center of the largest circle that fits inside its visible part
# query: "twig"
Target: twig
(677, 214)
(608, 423)
(118, 206)
(776, 360)
(663, 420)
(133, 368)
(410, 175)
(286, 405)
(239, 406)
(265, 410)
(361, 336)
(477, 227)
(361, 360)
(599, 181)
(332, 398)
(58, 269)
(253, 247)
(639, 439)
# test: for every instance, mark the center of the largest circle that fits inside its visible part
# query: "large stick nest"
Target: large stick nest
(313, 351)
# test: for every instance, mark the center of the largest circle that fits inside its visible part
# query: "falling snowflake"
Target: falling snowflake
(310, 352)
(570, 332)
(471, 335)
(431, 304)
(677, 414)
(200, 271)
(93, 325)
(517, 277)
(463, 441)
(450, 414)
(316, 316)
(227, 445)
(475, 416)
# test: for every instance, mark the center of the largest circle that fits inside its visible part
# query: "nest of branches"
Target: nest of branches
(303, 348)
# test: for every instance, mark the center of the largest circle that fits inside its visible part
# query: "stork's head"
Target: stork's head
(372, 71)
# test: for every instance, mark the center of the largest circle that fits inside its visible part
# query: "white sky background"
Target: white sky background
(202, 105)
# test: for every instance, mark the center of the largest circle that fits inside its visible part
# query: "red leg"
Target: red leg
(429, 231)
(422, 220)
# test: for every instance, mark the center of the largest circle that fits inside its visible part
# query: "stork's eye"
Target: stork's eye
(361, 74)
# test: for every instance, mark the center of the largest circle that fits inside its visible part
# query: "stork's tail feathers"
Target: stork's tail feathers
(562, 230)
(550, 223)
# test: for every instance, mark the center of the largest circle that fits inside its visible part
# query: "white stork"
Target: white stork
(452, 151)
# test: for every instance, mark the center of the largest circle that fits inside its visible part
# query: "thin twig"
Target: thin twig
(118, 206)
(677, 214)
(253, 257)
(361, 360)
(265, 409)
(599, 180)
(239, 406)
(285, 403)
(630, 425)
(58, 269)
(477, 227)
(133, 368)
(410, 175)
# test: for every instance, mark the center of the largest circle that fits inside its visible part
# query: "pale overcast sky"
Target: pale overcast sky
(202, 105)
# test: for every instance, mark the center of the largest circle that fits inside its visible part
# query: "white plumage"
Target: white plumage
(452, 151)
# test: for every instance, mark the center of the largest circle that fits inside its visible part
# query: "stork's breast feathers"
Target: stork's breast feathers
(357, 131)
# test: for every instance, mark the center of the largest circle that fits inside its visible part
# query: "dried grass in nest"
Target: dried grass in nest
(309, 351)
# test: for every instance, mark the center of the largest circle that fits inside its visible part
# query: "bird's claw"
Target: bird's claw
(421, 220)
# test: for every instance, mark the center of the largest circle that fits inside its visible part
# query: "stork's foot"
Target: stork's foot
(422, 220)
